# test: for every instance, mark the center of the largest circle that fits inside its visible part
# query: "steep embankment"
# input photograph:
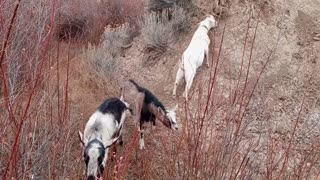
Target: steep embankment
(288, 34)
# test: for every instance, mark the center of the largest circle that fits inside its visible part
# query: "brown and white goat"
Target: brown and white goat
(147, 107)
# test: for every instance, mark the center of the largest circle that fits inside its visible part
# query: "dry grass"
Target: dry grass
(159, 32)
(103, 58)
(34, 142)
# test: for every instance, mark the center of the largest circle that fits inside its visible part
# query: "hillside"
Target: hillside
(260, 120)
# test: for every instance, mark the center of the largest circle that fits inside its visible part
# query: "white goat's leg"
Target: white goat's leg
(188, 86)
(141, 140)
(207, 56)
(179, 77)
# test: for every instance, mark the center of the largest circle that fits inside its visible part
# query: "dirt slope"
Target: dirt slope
(290, 28)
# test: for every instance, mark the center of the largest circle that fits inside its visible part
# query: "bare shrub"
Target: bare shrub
(159, 33)
(35, 130)
(86, 20)
(220, 7)
(156, 34)
(81, 20)
(102, 58)
(186, 4)
(180, 21)
(72, 29)
(159, 5)
(23, 52)
(122, 11)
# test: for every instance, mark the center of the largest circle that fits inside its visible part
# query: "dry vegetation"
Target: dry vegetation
(249, 116)
(159, 31)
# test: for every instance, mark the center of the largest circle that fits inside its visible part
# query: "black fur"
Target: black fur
(113, 106)
(149, 98)
(146, 116)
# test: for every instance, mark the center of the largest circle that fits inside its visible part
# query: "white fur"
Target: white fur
(171, 114)
(193, 56)
(104, 124)
(102, 127)
(141, 140)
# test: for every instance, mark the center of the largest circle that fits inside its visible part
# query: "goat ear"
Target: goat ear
(110, 143)
(160, 110)
(82, 139)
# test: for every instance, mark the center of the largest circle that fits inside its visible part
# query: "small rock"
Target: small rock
(316, 38)
(297, 56)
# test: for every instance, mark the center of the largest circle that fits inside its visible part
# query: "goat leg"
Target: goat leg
(179, 77)
(207, 57)
(139, 104)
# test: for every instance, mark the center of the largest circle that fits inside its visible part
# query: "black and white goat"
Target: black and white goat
(103, 129)
(193, 56)
(151, 108)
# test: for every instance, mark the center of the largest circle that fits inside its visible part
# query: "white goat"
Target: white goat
(193, 56)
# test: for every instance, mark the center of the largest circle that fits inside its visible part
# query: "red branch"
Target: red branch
(39, 71)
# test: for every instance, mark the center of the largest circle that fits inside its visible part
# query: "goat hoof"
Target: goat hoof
(174, 96)
(121, 143)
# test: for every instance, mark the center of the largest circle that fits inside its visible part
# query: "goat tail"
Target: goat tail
(133, 82)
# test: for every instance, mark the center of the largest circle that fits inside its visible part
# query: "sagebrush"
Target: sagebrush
(159, 31)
